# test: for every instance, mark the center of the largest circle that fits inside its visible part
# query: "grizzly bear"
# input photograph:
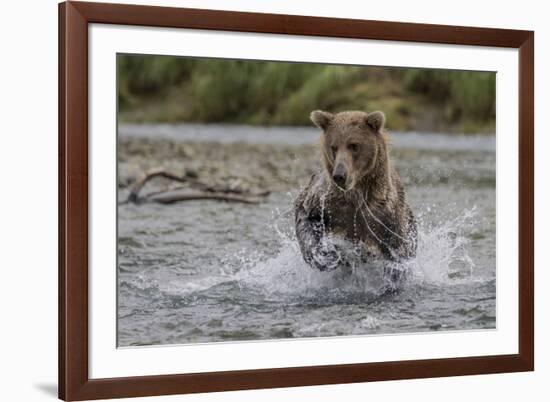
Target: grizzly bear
(358, 195)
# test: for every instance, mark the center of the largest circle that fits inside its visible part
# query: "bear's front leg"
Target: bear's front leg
(316, 251)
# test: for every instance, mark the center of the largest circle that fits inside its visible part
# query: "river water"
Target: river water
(207, 271)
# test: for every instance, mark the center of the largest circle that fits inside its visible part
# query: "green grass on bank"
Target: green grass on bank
(175, 89)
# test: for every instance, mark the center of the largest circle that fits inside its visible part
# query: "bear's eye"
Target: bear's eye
(353, 147)
(334, 149)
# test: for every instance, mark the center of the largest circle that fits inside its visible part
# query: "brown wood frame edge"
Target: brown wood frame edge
(74, 382)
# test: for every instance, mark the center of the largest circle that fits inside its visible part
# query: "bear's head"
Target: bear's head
(353, 145)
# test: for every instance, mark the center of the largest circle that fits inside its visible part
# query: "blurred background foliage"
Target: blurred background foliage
(177, 89)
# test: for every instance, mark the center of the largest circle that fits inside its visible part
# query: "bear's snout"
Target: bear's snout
(339, 175)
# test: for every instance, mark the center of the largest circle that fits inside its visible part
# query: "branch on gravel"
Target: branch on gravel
(206, 192)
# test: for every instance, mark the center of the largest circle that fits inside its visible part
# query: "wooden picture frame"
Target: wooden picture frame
(74, 381)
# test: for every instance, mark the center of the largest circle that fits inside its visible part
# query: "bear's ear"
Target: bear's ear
(376, 121)
(321, 119)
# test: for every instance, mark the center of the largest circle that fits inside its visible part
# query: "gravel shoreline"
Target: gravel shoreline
(248, 167)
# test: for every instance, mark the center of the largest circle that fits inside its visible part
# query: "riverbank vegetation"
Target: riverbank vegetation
(167, 89)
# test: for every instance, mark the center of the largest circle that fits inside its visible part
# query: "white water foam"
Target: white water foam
(442, 258)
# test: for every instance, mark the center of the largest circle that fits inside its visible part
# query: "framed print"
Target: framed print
(258, 200)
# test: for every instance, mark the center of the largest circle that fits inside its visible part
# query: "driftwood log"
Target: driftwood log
(200, 191)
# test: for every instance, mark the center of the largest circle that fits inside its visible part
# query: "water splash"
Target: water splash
(442, 258)
(442, 254)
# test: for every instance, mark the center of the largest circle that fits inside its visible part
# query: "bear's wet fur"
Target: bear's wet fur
(358, 195)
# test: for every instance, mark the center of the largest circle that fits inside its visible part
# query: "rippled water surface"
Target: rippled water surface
(207, 271)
